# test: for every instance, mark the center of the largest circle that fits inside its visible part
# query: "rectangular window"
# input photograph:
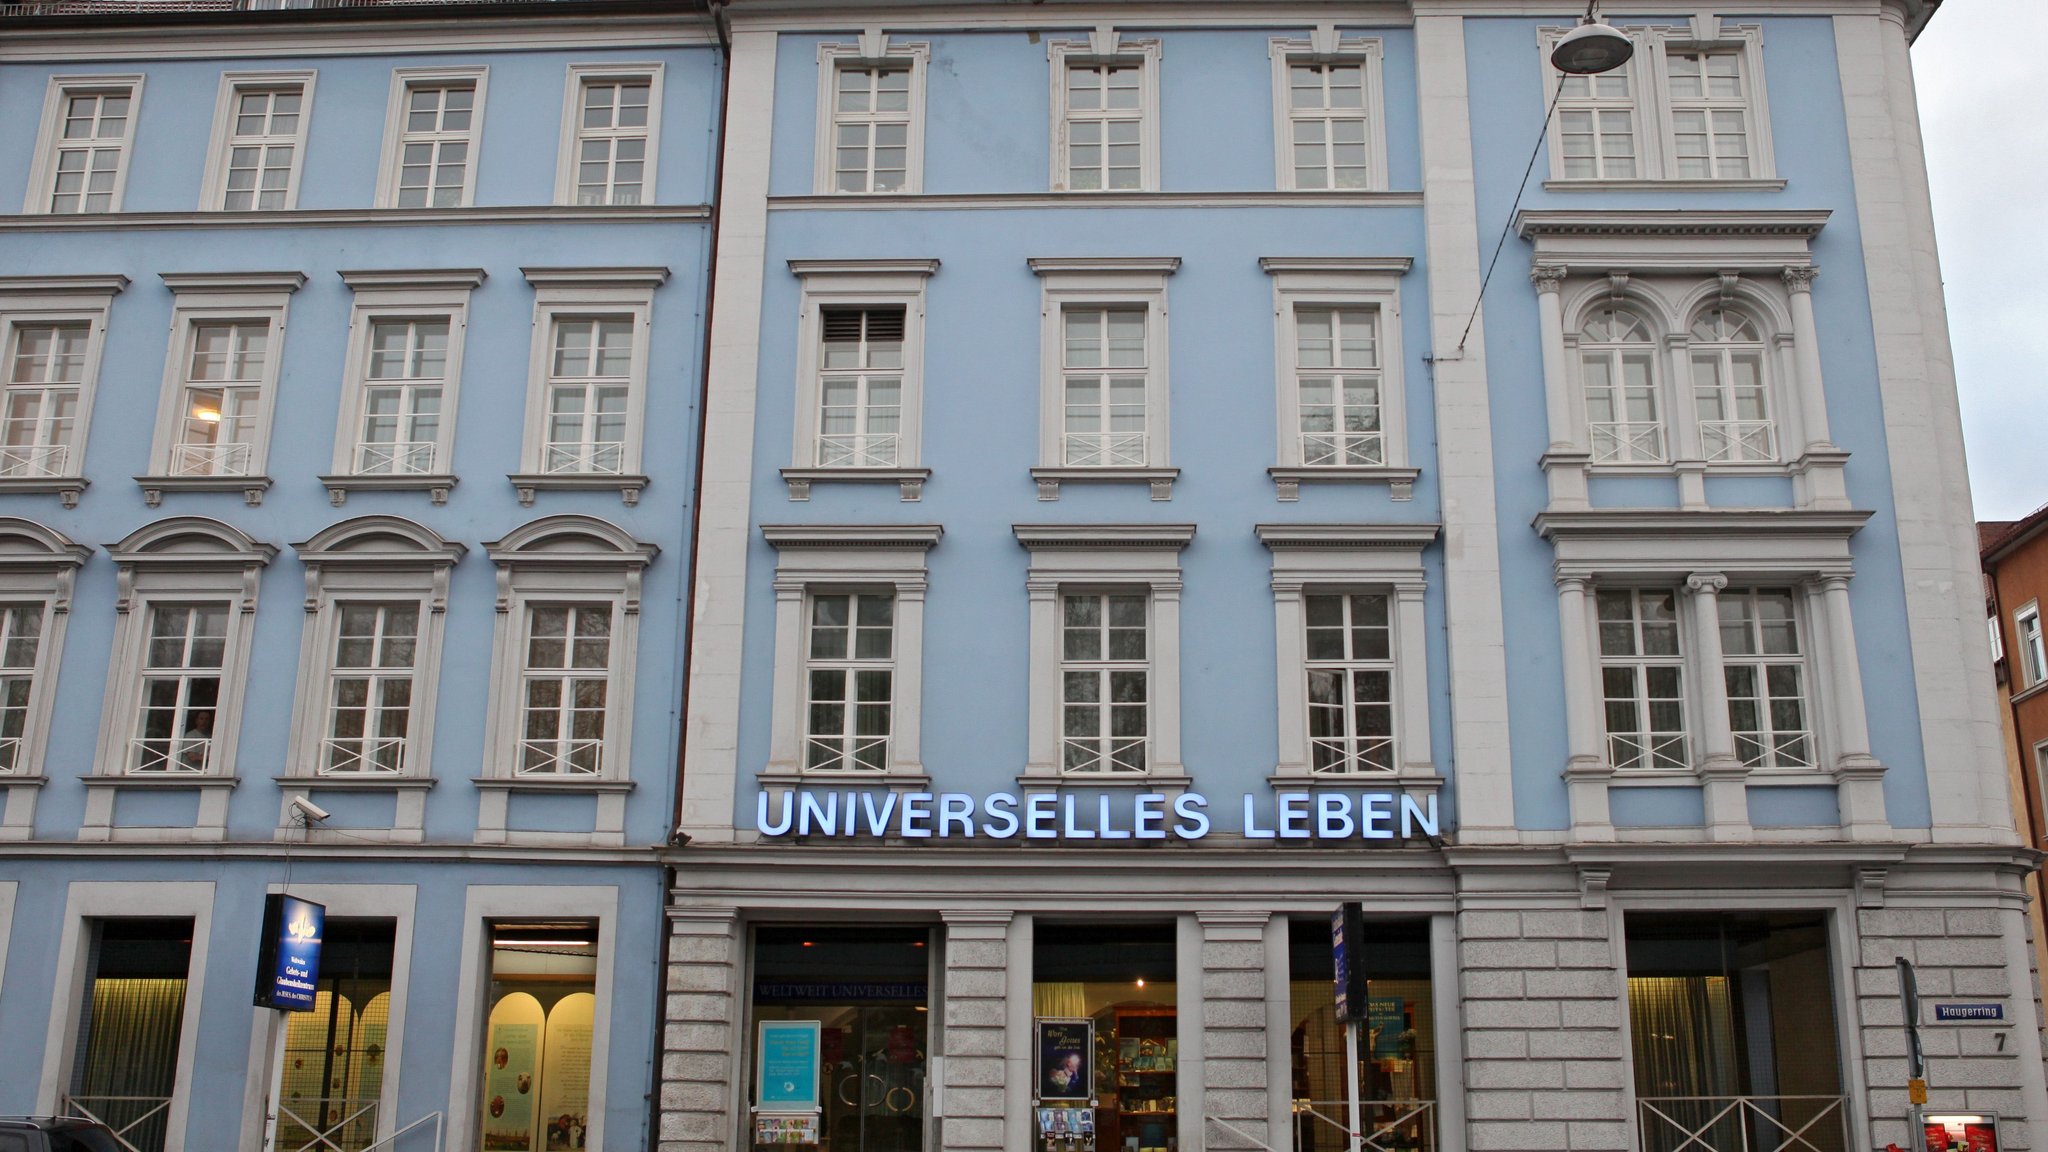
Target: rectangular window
(612, 140)
(1766, 673)
(871, 125)
(435, 142)
(851, 672)
(88, 148)
(45, 377)
(2033, 659)
(1350, 683)
(334, 1055)
(1337, 382)
(1596, 126)
(1618, 370)
(588, 382)
(21, 636)
(1642, 679)
(222, 405)
(1327, 126)
(1104, 388)
(131, 1025)
(860, 387)
(265, 133)
(1105, 126)
(1709, 114)
(1105, 673)
(1121, 978)
(565, 683)
(181, 688)
(1394, 1079)
(404, 375)
(370, 688)
(543, 1020)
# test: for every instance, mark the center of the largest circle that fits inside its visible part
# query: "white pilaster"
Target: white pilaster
(1586, 769)
(1722, 775)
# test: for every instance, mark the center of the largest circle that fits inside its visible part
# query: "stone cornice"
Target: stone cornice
(1594, 522)
(1036, 537)
(783, 537)
(1403, 536)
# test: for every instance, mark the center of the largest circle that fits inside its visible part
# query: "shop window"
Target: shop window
(1732, 1023)
(1106, 1053)
(1395, 1079)
(543, 1001)
(334, 1055)
(867, 989)
(129, 1027)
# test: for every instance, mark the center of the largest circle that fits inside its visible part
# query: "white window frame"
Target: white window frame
(37, 301)
(1655, 746)
(1087, 282)
(1740, 434)
(813, 559)
(396, 296)
(567, 294)
(179, 560)
(1104, 47)
(391, 167)
(203, 298)
(1105, 558)
(580, 75)
(1313, 282)
(233, 85)
(42, 176)
(873, 51)
(1324, 49)
(1664, 393)
(562, 560)
(1319, 559)
(2033, 657)
(38, 566)
(854, 284)
(1761, 662)
(1657, 160)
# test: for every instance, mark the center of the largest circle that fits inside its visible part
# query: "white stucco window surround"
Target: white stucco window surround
(432, 123)
(860, 375)
(1105, 113)
(1682, 343)
(369, 668)
(870, 116)
(184, 615)
(1720, 564)
(1073, 562)
(86, 902)
(83, 144)
(258, 145)
(1103, 396)
(1340, 404)
(564, 661)
(53, 330)
(1688, 111)
(400, 381)
(1350, 571)
(220, 383)
(587, 380)
(611, 134)
(849, 630)
(1329, 118)
(38, 566)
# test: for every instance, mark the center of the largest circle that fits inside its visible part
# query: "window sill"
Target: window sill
(251, 487)
(1160, 782)
(1399, 781)
(2030, 691)
(627, 485)
(910, 481)
(540, 784)
(359, 783)
(163, 780)
(1752, 777)
(435, 484)
(66, 488)
(1287, 481)
(1160, 479)
(893, 781)
(1752, 184)
(23, 780)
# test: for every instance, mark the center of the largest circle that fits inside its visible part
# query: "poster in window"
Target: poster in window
(511, 1063)
(1386, 1021)
(1066, 1050)
(565, 1072)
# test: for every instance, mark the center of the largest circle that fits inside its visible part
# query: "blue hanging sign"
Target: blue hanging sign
(786, 1063)
(288, 958)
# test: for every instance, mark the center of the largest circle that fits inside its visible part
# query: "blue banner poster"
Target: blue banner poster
(786, 1066)
(1386, 1021)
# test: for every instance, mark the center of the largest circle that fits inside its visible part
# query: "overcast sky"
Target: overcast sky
(1982, 72)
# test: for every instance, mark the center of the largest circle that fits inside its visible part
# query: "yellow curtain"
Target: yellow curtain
(1070, 999)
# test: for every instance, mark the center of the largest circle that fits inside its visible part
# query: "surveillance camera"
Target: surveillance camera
(308, 810)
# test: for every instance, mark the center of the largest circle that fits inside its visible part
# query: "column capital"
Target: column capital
(976, 917)
(1832, 582)
(1548, 278)
(1799, 277)
(1574, 584)
(1233, 919)
(1706, 582)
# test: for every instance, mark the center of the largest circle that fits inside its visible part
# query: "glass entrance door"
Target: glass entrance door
(875, 1056)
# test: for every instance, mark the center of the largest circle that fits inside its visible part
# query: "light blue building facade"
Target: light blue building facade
(354, 367)
(1142, 511)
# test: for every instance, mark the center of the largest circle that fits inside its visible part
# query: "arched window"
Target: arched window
(1618, 369)
(1731, 395)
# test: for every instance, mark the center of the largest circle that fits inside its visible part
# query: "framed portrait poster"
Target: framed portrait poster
(1066, 1058)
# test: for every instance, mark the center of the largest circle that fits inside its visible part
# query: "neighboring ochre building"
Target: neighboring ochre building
(2015, 558)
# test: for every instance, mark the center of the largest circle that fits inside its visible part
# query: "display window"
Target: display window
(1106, 1047)
(333, 1082)
(1732, 1025)
(543, 1020)
(130, 1025)
(840, 1037)
(1394, 1080)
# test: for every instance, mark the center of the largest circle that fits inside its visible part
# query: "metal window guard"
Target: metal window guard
(358, 1119)
(211, 459)
(1627, 442)
(1343, 449)
(1347, 757)
(1739, 1123)
(559, 757)
(1775, 749)
(858, 450)
(395, 457)
(171, 753)
(35, 460)
(10, 754)
(1655, 750)
(76, 1106)
(1103, 449)
(372, 756)
(1732, 441)
(1126, 754)
(832, 753)
(604, 457)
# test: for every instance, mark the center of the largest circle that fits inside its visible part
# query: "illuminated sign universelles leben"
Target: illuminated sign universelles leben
(1050, 816)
